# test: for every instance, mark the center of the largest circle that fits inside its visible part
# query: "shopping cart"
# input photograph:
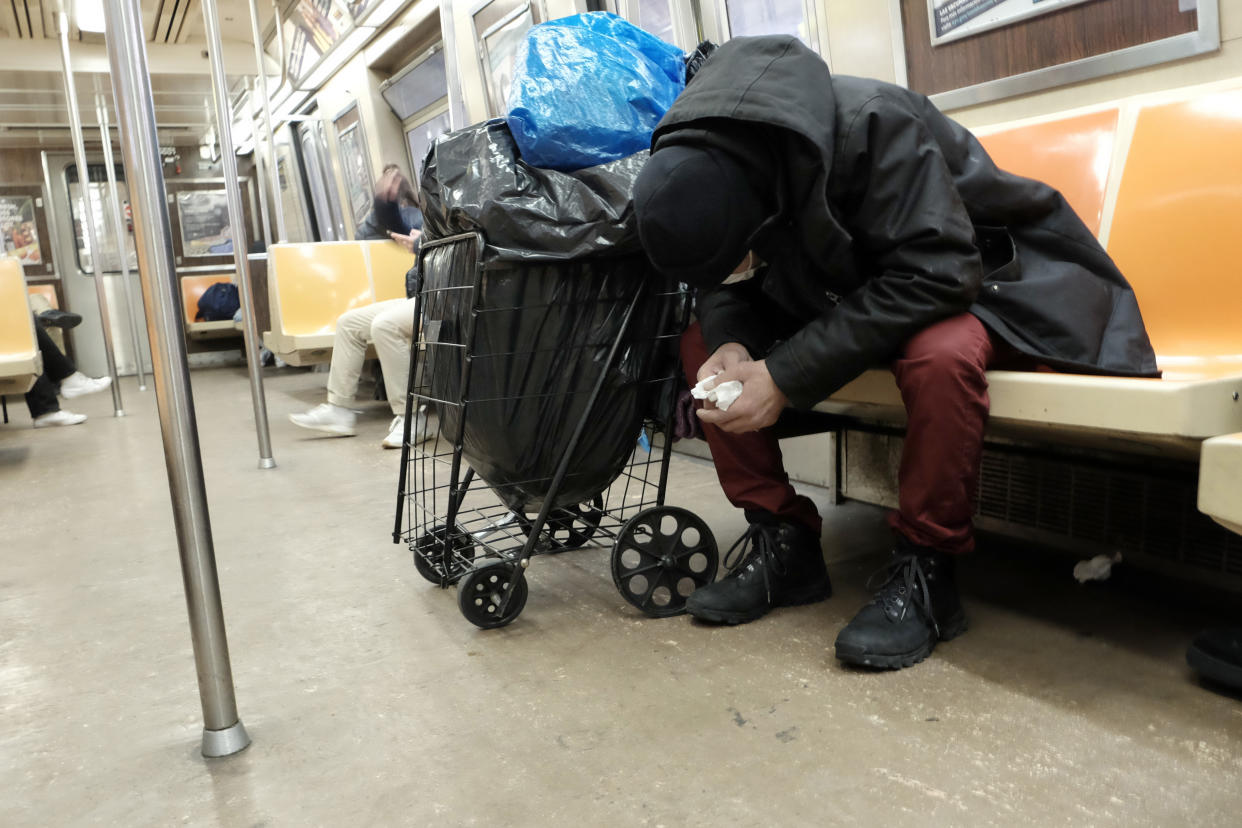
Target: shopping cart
(554, 385)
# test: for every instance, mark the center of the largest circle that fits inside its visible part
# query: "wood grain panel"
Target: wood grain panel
(1080, 31)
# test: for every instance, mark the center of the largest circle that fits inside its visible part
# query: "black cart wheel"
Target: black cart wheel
(660, 557)
(429, 555)
(570, 527)
(481, 592)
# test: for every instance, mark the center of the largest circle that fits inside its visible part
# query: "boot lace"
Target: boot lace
(757, 545)
(901, 584)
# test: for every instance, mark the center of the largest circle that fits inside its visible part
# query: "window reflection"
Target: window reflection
(100, 195)
(766, 17)
(656, 17)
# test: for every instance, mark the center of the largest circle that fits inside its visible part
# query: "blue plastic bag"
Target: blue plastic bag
(590, 89)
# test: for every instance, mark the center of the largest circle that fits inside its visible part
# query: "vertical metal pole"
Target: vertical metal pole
(88, 211)
(278, 206)
(457, 104)
(118, 228)
(265, 215)
(224, 128)
(223, 732)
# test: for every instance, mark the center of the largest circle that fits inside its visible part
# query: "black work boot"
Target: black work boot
(773, 565)
(915, 606)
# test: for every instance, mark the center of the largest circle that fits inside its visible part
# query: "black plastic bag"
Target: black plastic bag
(473, 180)
(541, 337)
(562, 265)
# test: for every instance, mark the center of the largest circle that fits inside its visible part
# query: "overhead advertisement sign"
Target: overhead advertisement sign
(955, 19)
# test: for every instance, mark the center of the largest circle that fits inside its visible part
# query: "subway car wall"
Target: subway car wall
(469, 667)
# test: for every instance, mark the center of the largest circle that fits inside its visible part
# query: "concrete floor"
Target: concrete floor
(371, 701)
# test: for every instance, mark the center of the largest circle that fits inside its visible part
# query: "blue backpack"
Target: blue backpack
(218, 303)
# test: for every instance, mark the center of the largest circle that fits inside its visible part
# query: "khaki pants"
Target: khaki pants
(390, 325)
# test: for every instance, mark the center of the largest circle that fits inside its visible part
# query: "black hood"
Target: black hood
(780, 91)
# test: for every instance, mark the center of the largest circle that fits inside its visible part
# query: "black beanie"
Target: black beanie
(697, 211)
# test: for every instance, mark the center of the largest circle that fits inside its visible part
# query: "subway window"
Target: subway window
(499, 27)
(768, 17)
(418, 140)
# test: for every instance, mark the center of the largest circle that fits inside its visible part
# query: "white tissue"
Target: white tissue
(722, 395)
(1096, 569)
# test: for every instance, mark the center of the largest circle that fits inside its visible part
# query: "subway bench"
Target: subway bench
(20, 360)
(1166, 209)
(192, 289)
(311, 284)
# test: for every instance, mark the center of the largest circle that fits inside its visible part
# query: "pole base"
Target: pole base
(267, 463)
(217, 743)
(120, 412)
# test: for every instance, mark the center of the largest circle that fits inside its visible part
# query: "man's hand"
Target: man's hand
(727, 357)
(406, 241)
(759, 406)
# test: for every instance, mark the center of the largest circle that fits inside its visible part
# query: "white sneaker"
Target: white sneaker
(78, 384)
(59, 418)
(396, 431)
(328, 418)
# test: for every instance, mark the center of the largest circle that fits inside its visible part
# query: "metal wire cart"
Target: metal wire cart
(554, 386)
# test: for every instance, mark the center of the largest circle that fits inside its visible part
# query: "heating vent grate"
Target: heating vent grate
(1151, 514)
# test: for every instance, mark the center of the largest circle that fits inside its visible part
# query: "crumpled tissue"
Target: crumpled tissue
(1096, 569)
(722, 395)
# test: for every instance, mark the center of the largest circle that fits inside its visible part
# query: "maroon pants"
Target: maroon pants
(940, 372)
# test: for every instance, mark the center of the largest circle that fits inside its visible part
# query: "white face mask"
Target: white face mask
(749, 273)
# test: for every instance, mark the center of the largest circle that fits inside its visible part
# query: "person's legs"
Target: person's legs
(58, 370)
(56, 366)
(392, 330)
(750, 466)
(41, 398)
(941, 374)
(778, 562)
(349, 352)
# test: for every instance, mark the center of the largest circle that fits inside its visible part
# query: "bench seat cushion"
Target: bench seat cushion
(1185, 404)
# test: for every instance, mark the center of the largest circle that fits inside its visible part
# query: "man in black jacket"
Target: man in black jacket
(834, 224)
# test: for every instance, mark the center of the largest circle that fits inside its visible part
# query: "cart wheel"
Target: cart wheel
(428, 555)
(660, 557)
(571, 527)
(481, 592)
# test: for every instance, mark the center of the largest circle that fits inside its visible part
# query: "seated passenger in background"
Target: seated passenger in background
(870, 230)
(60, 374)
(388, 324)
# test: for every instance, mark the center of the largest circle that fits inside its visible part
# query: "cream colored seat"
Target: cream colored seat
(20, 360)
(311, 284)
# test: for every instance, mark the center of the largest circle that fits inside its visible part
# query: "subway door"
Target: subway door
(76, 263)
(325, 200)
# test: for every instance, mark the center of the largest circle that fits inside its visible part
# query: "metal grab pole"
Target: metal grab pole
(223, 732)
(224, 128)
(278, 207)
(88, 211)
(118, 228)
(264, 215)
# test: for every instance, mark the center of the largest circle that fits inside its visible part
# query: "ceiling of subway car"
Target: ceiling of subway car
(32, 97)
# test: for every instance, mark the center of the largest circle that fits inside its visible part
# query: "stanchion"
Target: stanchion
(88, 210)
(278, 206)
(224, 129)
(223, 732)
(118, 229)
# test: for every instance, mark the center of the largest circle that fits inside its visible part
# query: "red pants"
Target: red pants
(940, 372)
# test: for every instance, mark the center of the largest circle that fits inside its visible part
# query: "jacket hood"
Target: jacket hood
(778, 85)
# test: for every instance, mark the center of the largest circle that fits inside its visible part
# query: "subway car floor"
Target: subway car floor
(372, 701)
